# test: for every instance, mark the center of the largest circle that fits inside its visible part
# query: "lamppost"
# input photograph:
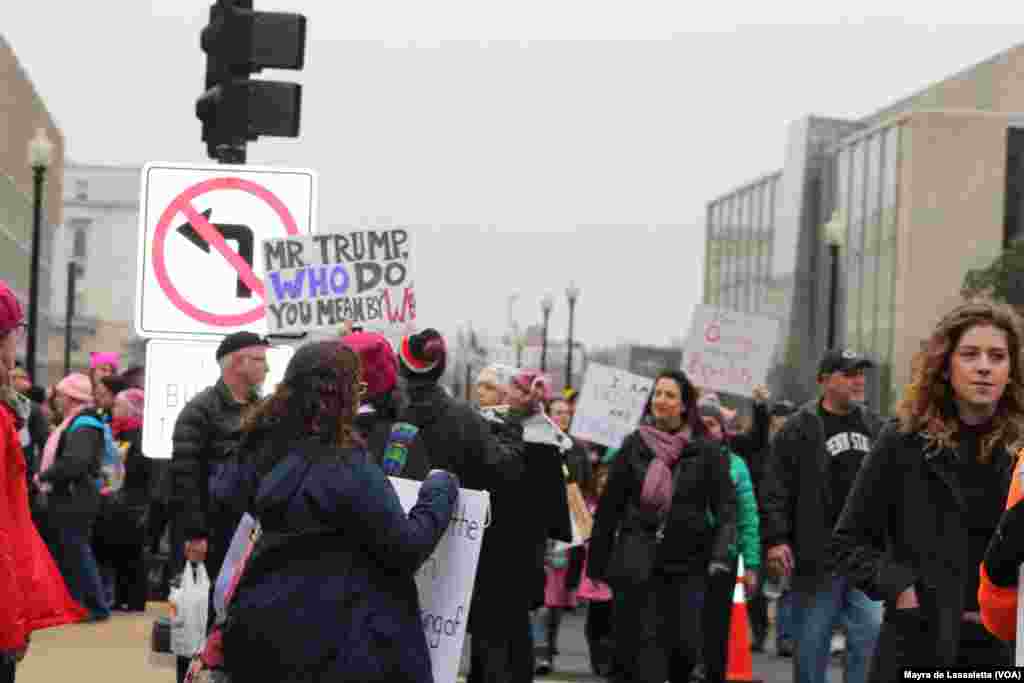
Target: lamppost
(69, 313)
(40, 153)
(572, 292)
(835, 231)
(546, 304)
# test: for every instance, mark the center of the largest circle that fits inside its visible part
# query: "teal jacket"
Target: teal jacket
(748, 525)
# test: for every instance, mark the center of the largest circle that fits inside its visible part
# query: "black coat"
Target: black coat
(903, 525)
(75, 498)
(690, 541)
(485, 456)
(206, 431)
(795, 491)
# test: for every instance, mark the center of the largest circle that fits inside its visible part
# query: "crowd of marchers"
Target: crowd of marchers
(903, 532)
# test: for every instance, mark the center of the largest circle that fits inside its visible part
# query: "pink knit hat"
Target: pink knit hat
(11, 312)
(76, 386)
(133, 399)
(98, 358)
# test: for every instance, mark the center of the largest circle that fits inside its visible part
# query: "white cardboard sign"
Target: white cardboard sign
(610, 405)
(729, 351)
(445, 580)
(320, 281)
(178, 370)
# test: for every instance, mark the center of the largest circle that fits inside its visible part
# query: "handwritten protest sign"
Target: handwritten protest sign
(318, 281)
(610, 405)
(729, 351)
(445, 580)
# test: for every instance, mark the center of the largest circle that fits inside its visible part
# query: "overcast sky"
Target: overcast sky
(555, 141)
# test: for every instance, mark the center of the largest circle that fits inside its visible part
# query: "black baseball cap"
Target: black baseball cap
(843, 360)
(238, 341)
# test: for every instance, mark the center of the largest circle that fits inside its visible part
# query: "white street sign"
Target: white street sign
(201, 227)
(178, 370)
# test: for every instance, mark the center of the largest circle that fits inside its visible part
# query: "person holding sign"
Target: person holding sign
(930, 495)
(653, 540)
(335, 597)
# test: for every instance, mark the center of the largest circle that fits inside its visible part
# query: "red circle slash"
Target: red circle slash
(183, 204)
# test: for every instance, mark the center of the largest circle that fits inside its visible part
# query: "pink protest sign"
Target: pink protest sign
(728, 351)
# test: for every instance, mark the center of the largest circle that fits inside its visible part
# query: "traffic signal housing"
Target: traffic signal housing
(236, 109)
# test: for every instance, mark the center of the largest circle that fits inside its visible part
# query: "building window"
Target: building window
(1013, 226)
(78, 250)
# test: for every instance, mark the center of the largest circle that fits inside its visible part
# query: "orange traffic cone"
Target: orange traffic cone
(740, 663)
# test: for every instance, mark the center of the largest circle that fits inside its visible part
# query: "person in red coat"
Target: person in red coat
(33, 595)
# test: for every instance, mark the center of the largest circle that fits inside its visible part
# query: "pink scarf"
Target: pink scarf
(50, 449)
(668, 448)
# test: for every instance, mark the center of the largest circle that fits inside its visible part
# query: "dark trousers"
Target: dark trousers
(598, 630)
(131, 586)
(658, 629)
(757, 608)
(182, 665)
(501, 649)
(81, 573)
(6, 670)
(904, 641)
(717, 617)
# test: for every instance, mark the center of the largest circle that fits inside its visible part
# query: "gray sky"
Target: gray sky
(556, 141)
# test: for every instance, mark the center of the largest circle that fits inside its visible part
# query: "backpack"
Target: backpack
(111, 476)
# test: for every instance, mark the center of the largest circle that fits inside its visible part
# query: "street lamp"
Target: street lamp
(40, 154)
(572, 292)
(835, 232)
(546, 304)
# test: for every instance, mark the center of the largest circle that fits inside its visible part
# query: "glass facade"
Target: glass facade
(740, 230)
(831, 165)
(865, 196)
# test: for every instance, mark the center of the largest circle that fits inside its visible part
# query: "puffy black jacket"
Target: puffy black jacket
(690, 542)
(207, 430)
(795, 491)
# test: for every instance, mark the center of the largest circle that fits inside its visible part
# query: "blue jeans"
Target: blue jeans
(815, 614)
(81, 573)
(784, 617)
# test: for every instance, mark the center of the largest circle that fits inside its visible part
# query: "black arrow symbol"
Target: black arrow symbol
(242, 234)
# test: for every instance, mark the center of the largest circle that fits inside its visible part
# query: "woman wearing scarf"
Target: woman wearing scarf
(32, 593)
(653, 541)
(121, 532)
(68, 473)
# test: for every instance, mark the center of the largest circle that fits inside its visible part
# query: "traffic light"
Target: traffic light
(236, 109)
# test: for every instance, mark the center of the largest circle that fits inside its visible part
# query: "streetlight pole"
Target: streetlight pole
(69, 314)
(40, 152)
(572, 292)
(546, 304)
(834, 233)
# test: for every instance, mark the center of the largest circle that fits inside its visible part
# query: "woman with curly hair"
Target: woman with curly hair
(930, 495)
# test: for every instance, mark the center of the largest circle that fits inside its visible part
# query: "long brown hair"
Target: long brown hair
(319, 398)
(928, 404)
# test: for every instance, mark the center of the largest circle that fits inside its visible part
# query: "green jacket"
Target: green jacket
(748, 526)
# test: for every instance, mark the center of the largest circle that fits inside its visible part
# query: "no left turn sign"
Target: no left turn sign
(200, 229)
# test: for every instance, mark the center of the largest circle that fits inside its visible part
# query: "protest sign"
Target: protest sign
(729, 351)
(610, 405)
(323, 280)
(445, 581)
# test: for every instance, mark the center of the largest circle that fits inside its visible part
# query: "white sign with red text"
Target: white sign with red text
(728, 351)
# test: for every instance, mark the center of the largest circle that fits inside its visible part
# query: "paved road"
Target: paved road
(118, 651)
